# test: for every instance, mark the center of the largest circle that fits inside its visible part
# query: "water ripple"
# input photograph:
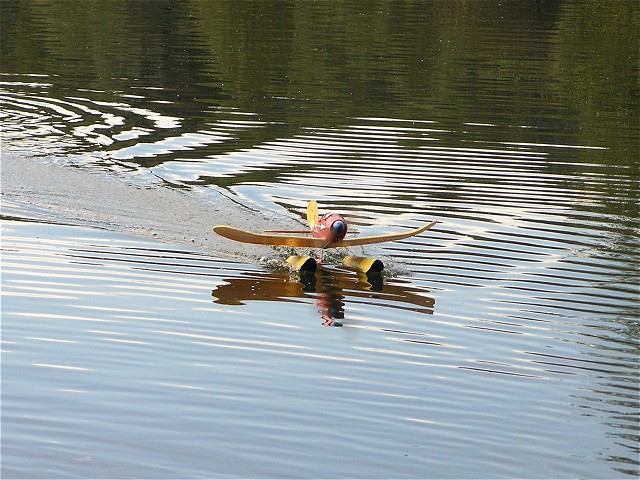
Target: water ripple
(529, 278)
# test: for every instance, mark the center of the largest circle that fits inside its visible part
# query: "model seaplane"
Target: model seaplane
(324, 232)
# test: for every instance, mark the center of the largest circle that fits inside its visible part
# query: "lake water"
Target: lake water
(502, 343)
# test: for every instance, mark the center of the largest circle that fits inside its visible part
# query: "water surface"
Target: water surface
(501, 343)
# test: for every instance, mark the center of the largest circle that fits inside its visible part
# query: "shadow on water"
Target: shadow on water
(332, 290)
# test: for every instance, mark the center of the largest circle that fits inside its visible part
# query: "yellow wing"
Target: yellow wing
(389, 237)
(268, 239)
(291, 241)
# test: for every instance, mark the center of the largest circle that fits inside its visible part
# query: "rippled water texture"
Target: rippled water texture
(502, 343)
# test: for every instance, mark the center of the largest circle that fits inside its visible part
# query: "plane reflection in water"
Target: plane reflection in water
(332, 289)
